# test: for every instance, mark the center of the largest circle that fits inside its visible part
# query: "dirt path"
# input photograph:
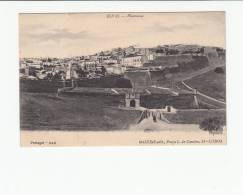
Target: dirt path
(149, 125)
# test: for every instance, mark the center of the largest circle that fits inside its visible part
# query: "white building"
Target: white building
(90, 65)
(69, 71)
(210, 51)
(115, 69)
(38, 66)
(134, 61)
(110, 61)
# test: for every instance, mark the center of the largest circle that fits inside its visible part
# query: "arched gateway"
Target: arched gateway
(132, 103)
(132, 100)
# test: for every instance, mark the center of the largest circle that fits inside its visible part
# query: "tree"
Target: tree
(202, 50)
(212, 124)
(32, 71)
(57, 77)
(172, 52)
(219, 70)
(81, 73)
(49, 76)
(103, 70)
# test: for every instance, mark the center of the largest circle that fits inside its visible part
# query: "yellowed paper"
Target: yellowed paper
(122, 79)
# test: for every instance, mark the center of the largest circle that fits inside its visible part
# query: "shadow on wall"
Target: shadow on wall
(138, 79)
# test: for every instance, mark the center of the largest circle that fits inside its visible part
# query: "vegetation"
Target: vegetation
(219, 70)
(172, 52)
(81, 73)
(212, 124)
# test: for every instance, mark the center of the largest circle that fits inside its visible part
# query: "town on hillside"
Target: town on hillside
(158, 88)
(116, 61)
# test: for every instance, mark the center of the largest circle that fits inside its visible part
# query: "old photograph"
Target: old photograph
(97, 79)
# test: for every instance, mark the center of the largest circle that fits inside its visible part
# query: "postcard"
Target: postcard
(122, 79)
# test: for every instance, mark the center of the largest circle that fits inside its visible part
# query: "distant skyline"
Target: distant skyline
(66, 35)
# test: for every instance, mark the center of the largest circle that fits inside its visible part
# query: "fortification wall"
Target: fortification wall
(183, 101)
(105, 82)
(42, 86)
(108, 99)
(139, 78)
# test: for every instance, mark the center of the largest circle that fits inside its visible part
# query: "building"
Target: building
(89, 65)
(132, 99)
(115, 69)
(36, 66)
(110, 61)
(23, 65)
(69, 71)
(210, 51)
(103, 57)
(134, 61)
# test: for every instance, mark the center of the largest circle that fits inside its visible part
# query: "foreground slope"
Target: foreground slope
(47, 112)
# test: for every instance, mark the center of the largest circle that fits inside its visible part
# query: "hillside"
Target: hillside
(210, 83)
(42, 111)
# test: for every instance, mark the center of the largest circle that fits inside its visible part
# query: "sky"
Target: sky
(76, 34)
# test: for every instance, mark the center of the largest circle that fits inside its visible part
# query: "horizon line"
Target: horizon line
(123, 48)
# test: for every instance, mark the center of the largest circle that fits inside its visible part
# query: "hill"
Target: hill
(210, 83)
(42, 111)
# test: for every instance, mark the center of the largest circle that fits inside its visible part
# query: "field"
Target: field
(45, 111)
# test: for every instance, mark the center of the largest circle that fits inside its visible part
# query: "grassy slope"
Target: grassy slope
(210, 83)
(194, 116)
(45, 111)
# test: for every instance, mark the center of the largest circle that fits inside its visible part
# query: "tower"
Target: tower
(69, 71)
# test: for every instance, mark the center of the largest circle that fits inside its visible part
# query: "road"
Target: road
(197, 73)
(205, 98)
(154, 114)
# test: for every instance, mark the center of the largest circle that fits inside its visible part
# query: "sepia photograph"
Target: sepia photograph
(121, 97)
(139, 78)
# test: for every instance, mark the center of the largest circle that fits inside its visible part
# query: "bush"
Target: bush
(219, 70)
(212, 124)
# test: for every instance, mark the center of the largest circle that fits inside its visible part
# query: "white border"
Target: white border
(170, 170)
